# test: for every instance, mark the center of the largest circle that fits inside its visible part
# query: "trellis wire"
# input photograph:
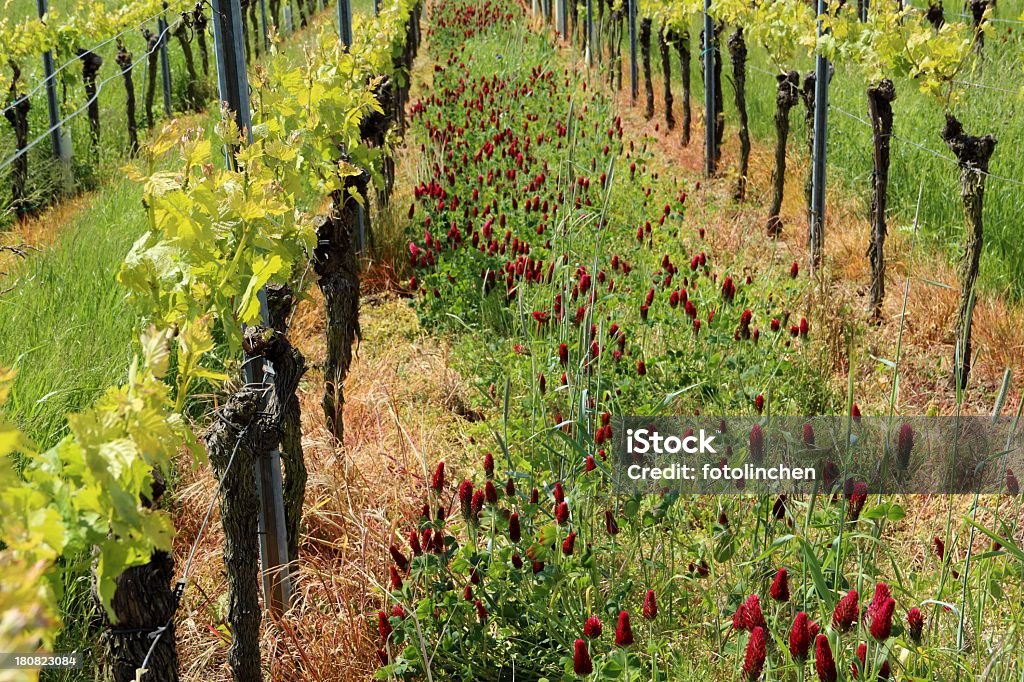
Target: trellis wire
(900, 138)
(929, 150)
(76, 58)
(983, 86)
(99, 88)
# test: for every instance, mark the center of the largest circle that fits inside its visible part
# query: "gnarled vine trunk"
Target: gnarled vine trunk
(16, 113)
(246, 37)
(91, 63)
(935, 14)
(235, 442)
(334, 261)
(143, 603)
(880, 99)
(645, 50)
(738, 53)
(973, 155)
(152, 54)
(124, 62)
(573, 21)
(199, 24)
(193, 99)
(666, 70)
(289, 366)
(374, 129)
(786, 96)
(615, 72)
(977, 9)
(682, 43)
(254, 26)
(275, 14)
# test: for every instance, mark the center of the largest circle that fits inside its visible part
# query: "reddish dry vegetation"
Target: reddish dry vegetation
(400, 412)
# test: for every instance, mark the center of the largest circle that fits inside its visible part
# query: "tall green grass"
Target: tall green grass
(920, 160)
(68, 327)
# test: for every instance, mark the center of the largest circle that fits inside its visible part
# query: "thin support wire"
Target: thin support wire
(99, 88)
(929, 150)
(76, 58)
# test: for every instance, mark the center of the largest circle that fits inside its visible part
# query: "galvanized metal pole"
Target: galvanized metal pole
(817, 226)
(376, 8)
(286, 18)
(345, 32)
(263, 20)
(52, 106)
(345, 22)
(165, 63)
(709, 91)
(233, 88)
(590, 33)
(634, 68)
(562, 18)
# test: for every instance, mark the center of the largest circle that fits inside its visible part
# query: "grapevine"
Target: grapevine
(216, 236)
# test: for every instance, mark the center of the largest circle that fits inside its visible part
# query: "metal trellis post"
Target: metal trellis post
(376, 8)
(562, 18)
(345, 32)
(634, 69)
(590, 33)
(345, 22)
(709, 91)
(266, 26)
(233, 87)
(165, 64)
(52, 106)
(817, 226)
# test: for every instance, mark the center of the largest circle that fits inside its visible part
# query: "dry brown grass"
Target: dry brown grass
(398, 422)
(400, 418)
(38, 231)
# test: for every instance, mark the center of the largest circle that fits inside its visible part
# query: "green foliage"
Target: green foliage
(89, 23)
(896, 42)
(216, 236)
(90, 489)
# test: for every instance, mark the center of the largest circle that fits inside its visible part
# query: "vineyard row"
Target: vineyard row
(217, 235)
